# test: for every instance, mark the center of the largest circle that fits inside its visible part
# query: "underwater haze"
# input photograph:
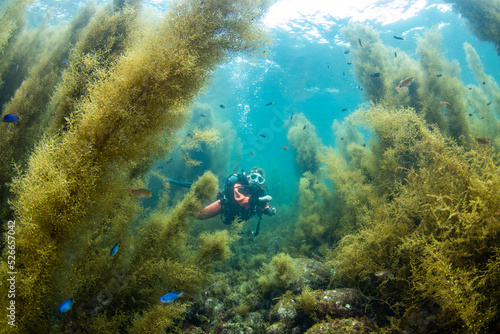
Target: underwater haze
(374, 127)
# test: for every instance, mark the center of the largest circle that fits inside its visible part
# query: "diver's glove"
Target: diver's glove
(265, 199)
(270, 211)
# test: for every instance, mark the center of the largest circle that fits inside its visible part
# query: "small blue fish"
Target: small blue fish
(114, 250)
(269, 103)
(375, 75)
(395, 55)
(169, 161)
(10, 118)
(291, 116)
(203, 115)
(349, 63)
(263, 136)
(189, 135)
(160, 167)
(66, 305)
(439, 75)
(171, 297)
(399, 37)
(65, 61)
(347, 51)
(222, 106)
(304, 127)
(344, 109)
(343, 73)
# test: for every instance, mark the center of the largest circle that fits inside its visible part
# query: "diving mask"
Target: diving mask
(255, 178)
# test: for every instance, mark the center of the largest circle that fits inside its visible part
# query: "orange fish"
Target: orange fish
(406, 82)
(252, 153)
(444, 103)
(285, 148)
(484, 141)
(141, 193)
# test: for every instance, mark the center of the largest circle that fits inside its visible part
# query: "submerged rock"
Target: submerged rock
(277, 328)
(284, 311)
(340, 303)
(273, 246)
(255, 320)
(312, 274)
(361, 325)
(233, 328)
(336, 307)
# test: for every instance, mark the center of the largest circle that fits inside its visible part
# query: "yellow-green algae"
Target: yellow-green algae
(31, 97)
(435, 228)
(70, 201)
(419, 199)
(302, 136)
(484, 99)
(483, 17)
(427, 91)
(106, 38)
(12, 19)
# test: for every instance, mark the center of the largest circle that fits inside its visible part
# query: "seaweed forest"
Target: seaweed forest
(110, 151)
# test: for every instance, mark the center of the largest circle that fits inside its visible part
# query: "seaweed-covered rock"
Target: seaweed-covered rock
(255, 320)
(344, 325)
(213, 306)
(277, 328)
(190, 329)
(273, 246)
(234, 328)
(284, 311)
(340, 303)
(312, 273)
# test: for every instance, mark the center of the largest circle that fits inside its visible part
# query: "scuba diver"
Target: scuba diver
(243, 196)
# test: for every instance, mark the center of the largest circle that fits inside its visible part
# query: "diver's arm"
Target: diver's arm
(210, 211)
(265, 199)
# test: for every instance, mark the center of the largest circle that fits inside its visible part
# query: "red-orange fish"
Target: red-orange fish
(444, 103)
(141, 193)
(406, 82)
(252, 153)
(285, 148)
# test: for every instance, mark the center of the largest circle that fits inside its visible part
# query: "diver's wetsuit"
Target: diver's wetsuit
(243, 203)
